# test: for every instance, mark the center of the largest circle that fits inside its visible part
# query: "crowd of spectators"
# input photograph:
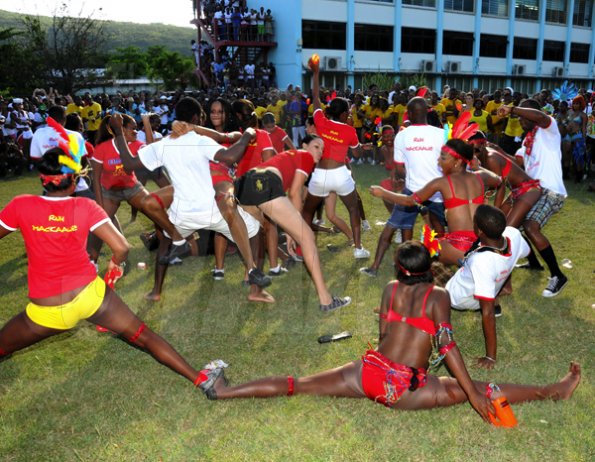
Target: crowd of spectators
(232, 20)
(371, 109)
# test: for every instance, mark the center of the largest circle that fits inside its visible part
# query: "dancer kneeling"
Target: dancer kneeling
(414, 316)
(462, 191)
(264, 187)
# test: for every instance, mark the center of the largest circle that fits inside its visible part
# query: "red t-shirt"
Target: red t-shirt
(288, 163)
(55, 233)
(113, 174)
(253, 155)
(338, 137)
(278, 139)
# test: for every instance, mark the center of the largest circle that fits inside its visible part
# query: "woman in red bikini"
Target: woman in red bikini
(414, 320)
(462, 191)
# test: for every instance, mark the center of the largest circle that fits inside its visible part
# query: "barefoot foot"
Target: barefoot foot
(152, 297)
(565, 387)
(259, 295)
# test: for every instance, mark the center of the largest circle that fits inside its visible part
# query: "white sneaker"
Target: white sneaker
(366, 226)
(372, 162)
(361, 253)
(398, 237)
(318, 222)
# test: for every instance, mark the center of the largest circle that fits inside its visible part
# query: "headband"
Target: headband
(54, 179)
(409, 273)
(452, 152)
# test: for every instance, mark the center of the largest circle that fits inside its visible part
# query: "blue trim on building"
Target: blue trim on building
(568, 37)
(510, 46)
(476, 42)
(397, 35)
(540, 40)
(350, 51)
(439, 42)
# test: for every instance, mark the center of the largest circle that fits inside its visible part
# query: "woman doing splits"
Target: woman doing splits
(63, 284)
(414, 319)
(264, 187)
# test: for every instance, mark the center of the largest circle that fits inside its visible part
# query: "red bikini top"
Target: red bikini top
(507, 166)
(422, 323)
(457, 201)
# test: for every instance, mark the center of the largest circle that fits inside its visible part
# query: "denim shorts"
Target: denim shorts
(404, 217)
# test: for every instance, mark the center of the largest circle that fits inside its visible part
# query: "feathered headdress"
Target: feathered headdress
(565, 92)
(70, 146)
(428, 239)
(461, 129)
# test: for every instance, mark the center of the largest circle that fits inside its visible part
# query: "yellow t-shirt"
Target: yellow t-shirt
(439, 108)
(449, 107)
(357, 121)
(92, 116)
(399, 110)
(72, 108)
(492, 108)
(277, 109)
(513, 127)
(481, 120)
(311, 108)
(260, 111)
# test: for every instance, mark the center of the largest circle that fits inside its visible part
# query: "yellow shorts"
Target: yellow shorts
(66, 316)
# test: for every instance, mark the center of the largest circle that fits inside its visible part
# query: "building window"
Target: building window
(583, 10)
(524, 48)
(428, 3)
(495, 7)
(459, 5)
(370, 37)
(414, 40)
(579, 53)
(555, 11)
(324, 34)
(457, 43)
(493, 46)
(527, 9)
(553, 50)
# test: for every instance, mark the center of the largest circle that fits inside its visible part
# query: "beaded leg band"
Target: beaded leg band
(136, 335)
(290, 385)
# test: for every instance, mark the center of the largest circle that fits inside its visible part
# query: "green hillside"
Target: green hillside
(120, 34)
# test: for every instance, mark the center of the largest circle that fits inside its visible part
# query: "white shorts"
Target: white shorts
(187, 223)
(338, 180)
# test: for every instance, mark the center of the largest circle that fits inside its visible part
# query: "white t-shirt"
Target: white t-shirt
(418, 147)
(544, 163)
(249, 69)
(46, 138)
(140, 136)
(186, 160)
(484, 273)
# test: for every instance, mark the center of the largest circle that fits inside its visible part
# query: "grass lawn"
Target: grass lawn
(86, 396)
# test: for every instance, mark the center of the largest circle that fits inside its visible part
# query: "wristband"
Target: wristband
(114, 261)
(491, 359)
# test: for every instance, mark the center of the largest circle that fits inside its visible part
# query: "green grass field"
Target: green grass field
(86, 396)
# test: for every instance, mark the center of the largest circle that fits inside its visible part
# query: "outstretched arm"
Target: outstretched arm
(534, 115)
(408, 201)
(314, 65)
(235, 152)
(440, 306)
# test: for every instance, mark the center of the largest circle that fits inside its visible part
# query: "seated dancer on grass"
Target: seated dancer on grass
(486, 272)
(194, 206)
(265, 186)
(414, 320)
(462, 191)
(63, 284)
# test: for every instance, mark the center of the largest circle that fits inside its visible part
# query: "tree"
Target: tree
(127, 63)
(21, 66)
(171, 67)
